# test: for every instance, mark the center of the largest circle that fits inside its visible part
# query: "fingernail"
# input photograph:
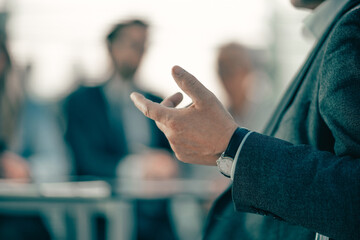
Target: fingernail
(178, 70)
(132, 96)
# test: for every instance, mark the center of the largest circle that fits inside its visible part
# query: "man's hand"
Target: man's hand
(198, 133)
(14, 167)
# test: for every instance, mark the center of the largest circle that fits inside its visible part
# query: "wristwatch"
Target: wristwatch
(226, 160)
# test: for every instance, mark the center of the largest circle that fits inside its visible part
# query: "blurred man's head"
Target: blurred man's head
(310, 4)
(126, 44)
(234, 68)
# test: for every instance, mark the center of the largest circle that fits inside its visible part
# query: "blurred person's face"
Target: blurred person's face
(235, 70)
(237, 86)
(127, 50)
(310, 4)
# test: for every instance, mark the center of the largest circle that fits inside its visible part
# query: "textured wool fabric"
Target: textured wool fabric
(309, 181)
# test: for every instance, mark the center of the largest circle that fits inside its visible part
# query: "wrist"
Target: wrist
(235, 141)
(226, 160)
(227, 138)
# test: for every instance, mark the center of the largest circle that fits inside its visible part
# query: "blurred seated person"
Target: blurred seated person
(39, 137)
(109, 136)
(29, 130)
(12, 166)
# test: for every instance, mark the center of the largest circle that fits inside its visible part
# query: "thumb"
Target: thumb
(190, 85)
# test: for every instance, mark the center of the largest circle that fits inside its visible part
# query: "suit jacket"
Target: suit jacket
(97, 144)
(2, 146)
(303, 173)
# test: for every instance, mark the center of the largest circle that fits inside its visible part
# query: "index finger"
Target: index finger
(150, 109)
(190, 85)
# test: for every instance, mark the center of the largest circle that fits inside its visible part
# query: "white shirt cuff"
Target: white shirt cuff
(233, 167)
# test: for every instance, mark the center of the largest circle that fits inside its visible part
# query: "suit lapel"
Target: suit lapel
(290, 94)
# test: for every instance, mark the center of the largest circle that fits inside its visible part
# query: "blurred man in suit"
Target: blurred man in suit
(109, 136)
(303, 173)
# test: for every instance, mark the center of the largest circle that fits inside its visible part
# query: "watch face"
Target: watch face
(225, 165)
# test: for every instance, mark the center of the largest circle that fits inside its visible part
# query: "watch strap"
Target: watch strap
(235, 141)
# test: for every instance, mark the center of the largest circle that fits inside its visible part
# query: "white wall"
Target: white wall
(60, 34)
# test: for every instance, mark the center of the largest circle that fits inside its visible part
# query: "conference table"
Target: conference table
(67, 208)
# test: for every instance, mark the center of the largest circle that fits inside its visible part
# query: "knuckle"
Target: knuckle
(191, 81)
(146, 110)
(187, 79)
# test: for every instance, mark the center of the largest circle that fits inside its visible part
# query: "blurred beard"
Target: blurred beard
(127, 72)
(309, 4)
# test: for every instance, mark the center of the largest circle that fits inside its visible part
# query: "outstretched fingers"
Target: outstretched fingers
(150, 109)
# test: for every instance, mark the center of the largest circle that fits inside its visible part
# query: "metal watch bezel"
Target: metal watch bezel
(222, 160)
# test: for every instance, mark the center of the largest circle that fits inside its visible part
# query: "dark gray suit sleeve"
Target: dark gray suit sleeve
(297, 183)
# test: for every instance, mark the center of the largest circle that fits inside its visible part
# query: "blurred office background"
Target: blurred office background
(64, 40)
(58, 45)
